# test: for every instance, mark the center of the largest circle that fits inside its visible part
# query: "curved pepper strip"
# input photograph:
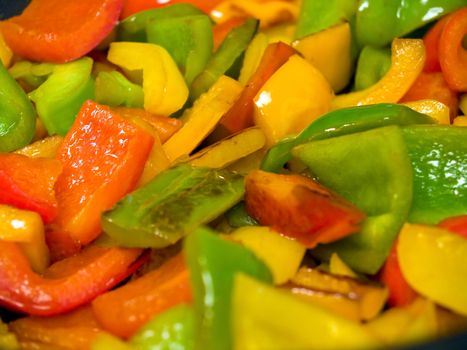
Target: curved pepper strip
(164, 87)
(373, 64)
(341, 122)
(67, 284)
(18, 119)
(407, 60)
(378, 22)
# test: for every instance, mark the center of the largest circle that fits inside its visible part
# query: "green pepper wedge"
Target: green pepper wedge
(114, 89)
(373, 64)
(17, 119)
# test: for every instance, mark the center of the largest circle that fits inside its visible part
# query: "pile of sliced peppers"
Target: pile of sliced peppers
(233, 174)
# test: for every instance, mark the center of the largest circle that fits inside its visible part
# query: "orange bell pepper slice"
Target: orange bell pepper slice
(28, 183)
(240, 116)
(103, 156)
(65, 285)
(432, 86)
(124, 310)
(452, 55)
(431, 41)
(60, 31)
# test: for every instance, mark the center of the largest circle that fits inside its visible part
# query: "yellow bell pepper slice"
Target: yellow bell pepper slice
(25, 228)
(227, 151)
(339, 267)
(253, 55)
(460, 121)
(164, 87)
(434, 263)
(435, 109)
(248, 163)
(201, 119)
(282, 255)
(463, 103)
(5, 52)
(267, 318)
(330, 52)
(408, 58)
(295, 95)
(45, 148)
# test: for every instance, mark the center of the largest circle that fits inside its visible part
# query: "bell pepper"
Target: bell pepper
(8, 340)
(28, 183)
(202, 118)
(330, 52)
(26, 229)
(433, 86)
(296, 94)
(457, 224)
(340, 268)
(59, 99)
(172, 329)
(74, 330)
(124, 310)
(44, 148)
(240, 115)
(381, 186)
(281, 254)
(439, 159)
(237, 216)
(229, 150)
(213, 264)
(222, 29)
(284, 321)
(66, 284)
(172, 205)
(18, 119)
(433, 262)
(377, 24)
(131, 7)
(5, 52)
(224, 58)
(45, 31)
(436, 110)
(373, 64)
(133, 27)
(300, 208)
(165, 91)
(316, 15)
(188, 39)
(431, 41)
(341, 122)
(407, 60)
(89, 185)
(113, 89)
(30, 74)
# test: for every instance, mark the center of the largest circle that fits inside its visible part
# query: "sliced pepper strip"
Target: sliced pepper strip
(408, 58)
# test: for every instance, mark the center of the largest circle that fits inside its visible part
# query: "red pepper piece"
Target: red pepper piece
(124, 310)
(28, 183)
(400, 292)
(103, 156)
(456, 224)
(60, 31)
(433, 86)
(431, 41)
(300, 208)
(452, 55)
(65, 285)
(240, 116)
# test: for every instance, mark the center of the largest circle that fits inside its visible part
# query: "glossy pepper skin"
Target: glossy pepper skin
(342, 122)
(213, 264)
(378, 22)
(18, 119)
(373, 64)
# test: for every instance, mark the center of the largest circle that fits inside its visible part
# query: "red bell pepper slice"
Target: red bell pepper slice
(300, 208)
(28, 183)
(65, 285)
(433, 86)
(103, 156)
(131, 7)
(456, 224)
(452, 55)
(124, 310)
(431, 41)
(60, 31)
(240, 116)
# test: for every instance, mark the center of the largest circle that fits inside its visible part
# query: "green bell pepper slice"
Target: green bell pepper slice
(59, 99)
(33, 74)
(379, 22)
(439, 158)
(188, 39)
(172, 205)
(342, 122)
(231, 49)
(133, 28)
(213, 263)
(114, 89)
(239, 217)
(317, 15)
(373, 64)
(371, 169)
(18, 118)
